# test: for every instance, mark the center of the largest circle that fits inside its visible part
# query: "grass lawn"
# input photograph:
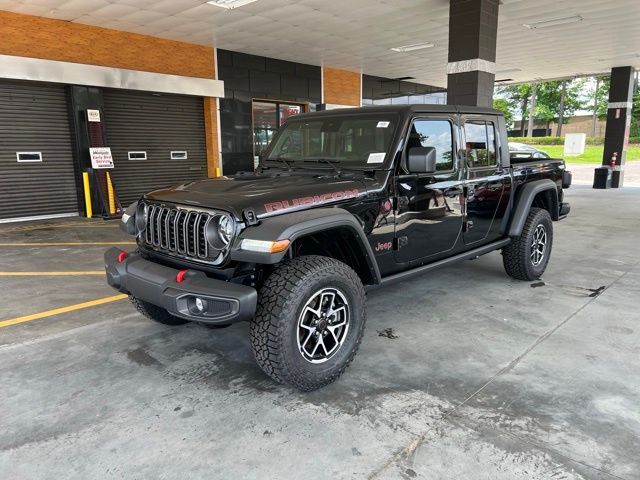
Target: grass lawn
(592, 154)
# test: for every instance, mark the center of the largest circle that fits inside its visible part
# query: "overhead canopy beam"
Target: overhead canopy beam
(473, 30)
(37, 69)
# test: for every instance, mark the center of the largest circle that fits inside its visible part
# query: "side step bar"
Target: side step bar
(476, 252)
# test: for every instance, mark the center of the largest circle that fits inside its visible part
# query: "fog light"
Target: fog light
(199, 305)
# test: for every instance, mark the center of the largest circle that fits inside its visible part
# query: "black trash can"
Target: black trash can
(602, 178)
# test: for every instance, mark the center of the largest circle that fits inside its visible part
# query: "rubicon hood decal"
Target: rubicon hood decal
(309, 201)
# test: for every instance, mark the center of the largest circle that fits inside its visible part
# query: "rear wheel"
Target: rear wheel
(155, 313)
(309, 322)
(527, 256)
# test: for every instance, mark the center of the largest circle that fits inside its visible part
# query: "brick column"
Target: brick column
(341, 87)
(616, 135)
(214, 167)
(473, 28)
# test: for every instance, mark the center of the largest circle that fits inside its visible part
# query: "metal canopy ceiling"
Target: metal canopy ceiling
(358, 34)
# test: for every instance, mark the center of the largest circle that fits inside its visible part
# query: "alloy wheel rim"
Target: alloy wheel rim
(323, 325)
(538, 245)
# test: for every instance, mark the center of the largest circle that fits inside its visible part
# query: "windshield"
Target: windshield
(345, 140)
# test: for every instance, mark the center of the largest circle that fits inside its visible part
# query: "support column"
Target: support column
(473, 29)
(616, 135)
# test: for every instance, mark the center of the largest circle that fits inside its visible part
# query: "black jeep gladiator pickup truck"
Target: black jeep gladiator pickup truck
(342, 201)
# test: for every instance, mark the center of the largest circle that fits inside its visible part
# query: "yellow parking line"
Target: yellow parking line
(50, 274)
(62, 244)
(57, 311)
(26, 228)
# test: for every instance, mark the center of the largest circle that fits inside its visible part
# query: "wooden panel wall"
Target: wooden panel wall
(38, 37)
(341, 87)
(211, 136)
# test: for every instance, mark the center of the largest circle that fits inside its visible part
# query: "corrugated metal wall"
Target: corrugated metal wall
(156, 124)
(34, 118)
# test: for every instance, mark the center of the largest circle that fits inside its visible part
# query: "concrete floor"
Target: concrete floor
(488, 378)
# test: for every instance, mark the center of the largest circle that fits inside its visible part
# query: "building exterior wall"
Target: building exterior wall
(39, 37)
(43, 38)
(248, 77)
(576, 124)
(341, 87)
(391, 91)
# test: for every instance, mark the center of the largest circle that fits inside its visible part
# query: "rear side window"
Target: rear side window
(436, 134)
(481, 144)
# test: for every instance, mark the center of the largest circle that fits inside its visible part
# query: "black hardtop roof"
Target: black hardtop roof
(406, 110)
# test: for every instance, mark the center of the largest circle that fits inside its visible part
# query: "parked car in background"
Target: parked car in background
(524, 151)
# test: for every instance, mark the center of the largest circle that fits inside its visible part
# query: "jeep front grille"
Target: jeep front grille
(178, 231)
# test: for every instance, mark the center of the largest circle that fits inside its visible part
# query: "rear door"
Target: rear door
(485, 179)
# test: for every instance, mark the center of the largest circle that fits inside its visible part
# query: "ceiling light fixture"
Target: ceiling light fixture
(230, 4)
(412, 47)
(553, 22)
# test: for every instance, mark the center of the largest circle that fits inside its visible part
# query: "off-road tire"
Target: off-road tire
(155, 313)
(274, 330)
(516, 256)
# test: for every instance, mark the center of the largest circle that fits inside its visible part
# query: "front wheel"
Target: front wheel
(309, 322)
(527, 256)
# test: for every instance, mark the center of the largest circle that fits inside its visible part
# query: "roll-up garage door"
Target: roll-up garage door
(156, 140)
(36, 159)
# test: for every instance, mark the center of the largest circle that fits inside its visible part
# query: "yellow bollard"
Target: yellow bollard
(112, 200)
(87, 194)
(217, 171)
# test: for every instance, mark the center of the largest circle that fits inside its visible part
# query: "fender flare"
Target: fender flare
(524, 200)
(291, 226)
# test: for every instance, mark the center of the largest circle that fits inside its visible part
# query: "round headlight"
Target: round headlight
(141, 216)
(220, 231)
(225, 229)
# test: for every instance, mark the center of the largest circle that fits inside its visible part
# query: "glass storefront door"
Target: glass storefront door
(267, 117)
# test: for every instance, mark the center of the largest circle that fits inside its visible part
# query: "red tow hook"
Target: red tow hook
(181, 276)
(122, 256)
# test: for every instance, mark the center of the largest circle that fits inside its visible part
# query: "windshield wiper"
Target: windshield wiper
(328, 162)
(283, 160)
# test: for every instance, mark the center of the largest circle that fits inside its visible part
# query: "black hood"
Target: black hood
(265, 195)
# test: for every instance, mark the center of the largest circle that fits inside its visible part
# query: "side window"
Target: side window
(436, 134)
(481, 144)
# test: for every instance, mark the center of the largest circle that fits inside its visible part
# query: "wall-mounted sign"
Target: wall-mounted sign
(101, 157)
(93, 115)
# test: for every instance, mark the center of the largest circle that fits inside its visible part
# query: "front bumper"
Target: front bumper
(223, 302)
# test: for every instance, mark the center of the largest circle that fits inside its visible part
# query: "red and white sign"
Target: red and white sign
(93, 115)
(101, 157)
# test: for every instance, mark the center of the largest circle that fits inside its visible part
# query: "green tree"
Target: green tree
(551, 100)
(635, 115)
(504, 106)
(600, 97)
(517, 97)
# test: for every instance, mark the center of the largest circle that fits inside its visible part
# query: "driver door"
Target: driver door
(428, 205)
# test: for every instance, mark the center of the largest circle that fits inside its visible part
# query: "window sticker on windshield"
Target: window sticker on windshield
(382, 124)
(376, 157)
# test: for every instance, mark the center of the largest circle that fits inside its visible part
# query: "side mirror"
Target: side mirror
(421, 160)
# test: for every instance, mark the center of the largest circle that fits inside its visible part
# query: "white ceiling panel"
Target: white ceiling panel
(357, 34)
